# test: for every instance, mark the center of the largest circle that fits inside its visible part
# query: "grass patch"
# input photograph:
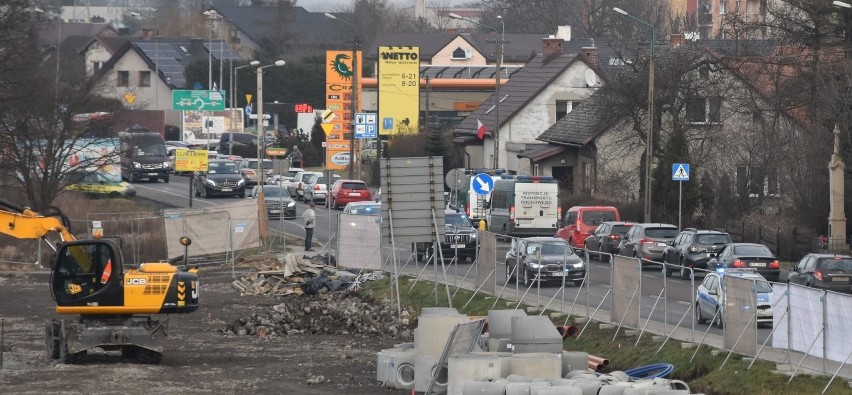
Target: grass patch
(703, 374)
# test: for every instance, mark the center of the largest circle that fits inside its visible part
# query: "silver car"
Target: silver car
(647, 241)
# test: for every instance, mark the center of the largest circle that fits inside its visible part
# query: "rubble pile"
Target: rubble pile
(296, 276)
(338, 313)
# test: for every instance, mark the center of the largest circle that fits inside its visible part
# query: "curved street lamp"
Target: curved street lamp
(261, 204)
(650, 143)
(233, 104)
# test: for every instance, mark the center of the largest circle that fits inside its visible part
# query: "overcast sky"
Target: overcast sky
(334, 5)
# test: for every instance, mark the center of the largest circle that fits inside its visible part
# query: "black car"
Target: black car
(279, 204)
(606, 237)
(221, 178)
(693, 248)
(459, 236)
(748, 256)
(824, 271)
(545, 258)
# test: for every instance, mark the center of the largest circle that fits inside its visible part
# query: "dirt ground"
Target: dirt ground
(200, 356)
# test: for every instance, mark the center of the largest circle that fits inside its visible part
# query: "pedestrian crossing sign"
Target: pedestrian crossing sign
(680, 171)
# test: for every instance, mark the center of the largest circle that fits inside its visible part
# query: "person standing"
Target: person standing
(310, 220)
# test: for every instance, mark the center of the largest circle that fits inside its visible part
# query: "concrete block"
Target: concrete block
(631, 332)
(474, 367)
(688, 345)
(511, 304)
(382, 365)
(557, 315)
(524, 388)
(432, 332)
(484, 388)
(535, 334)
(783, 367)
(658, 339)
(423, 370)
(500, 322)
(438, 311)
(580, 320)
(538, 365)
(574, 360)
(532, 310)
(715, 352)
(401, 373)
(606, 326)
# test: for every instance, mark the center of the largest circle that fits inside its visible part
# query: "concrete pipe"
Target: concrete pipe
(524, 388)
(556, 391)
(574, 360)
(383, 365)
(405, 376)
(562, 382)
(540, 365)
(612, 390)
(589, 386)
(484, 387)
(474, 367)
(400, 373)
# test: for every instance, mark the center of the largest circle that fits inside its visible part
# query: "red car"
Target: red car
(348, 191)
(580, 222)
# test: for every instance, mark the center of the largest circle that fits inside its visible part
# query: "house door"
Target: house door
(564, 175)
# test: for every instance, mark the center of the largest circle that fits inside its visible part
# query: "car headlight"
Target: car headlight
(137, 165)
(534, 265)
(578, 265)
(473, 235)
(166, 165)
(211, 182)
(291, 204)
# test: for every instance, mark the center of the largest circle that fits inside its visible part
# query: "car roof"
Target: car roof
(656, 225)
(628, 223)
(544, 239)
(609, 208)
(364, 203)
(819, 255)
(742, 274)
(348, 180)
(746, 244)
(220, 160)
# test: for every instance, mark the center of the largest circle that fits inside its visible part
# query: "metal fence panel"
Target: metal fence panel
(212, 230)
(806, 320)
(359, 237)
(486, 262)
(141, 234)
(463, 340)
(739, 315)
(413, 190)
(838, 325)
(626, 277)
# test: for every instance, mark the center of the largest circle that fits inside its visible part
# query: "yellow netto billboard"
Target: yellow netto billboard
(191, 160)
(339, 75)
(399, 90)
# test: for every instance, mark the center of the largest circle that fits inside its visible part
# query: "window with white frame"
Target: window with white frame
(459, 54)
(723, 7)
(704, 110)
(757, 181)
(563, 107)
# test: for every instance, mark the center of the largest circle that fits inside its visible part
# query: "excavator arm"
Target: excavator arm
(24, 223)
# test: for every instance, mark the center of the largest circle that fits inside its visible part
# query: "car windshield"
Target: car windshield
(456, 219)
(150, 150)
(712, 239)
(598, 217)
(355, 186)
(752, 251)
(762, 287)
(366, 209)
(549, 249)
(620, 229)
(275, 192)
(836, 263)
(222, 168)
(661, 233)
(252, 164)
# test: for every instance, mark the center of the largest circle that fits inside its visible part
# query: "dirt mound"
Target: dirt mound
(340, 313)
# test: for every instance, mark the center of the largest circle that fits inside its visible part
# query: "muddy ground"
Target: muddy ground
(201, 355)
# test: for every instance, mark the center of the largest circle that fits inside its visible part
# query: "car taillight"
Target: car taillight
(819, 276)
(614, 237)
(776, 265)
(512, 213)
(693, 248)
(249, 171)
(646, 241)
(467, 210)
(738, 263)
(316, 187)
(559, 212)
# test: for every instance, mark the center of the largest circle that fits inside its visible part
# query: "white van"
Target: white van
(524, 206)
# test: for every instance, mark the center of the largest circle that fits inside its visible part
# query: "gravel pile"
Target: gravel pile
(338, 313)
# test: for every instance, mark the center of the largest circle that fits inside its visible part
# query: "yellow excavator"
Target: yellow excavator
(115, 304)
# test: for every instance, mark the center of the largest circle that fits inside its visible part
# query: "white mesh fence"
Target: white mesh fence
(739, 315)
(213, 230)
(358, 241)
(626, 286)
(486, 262)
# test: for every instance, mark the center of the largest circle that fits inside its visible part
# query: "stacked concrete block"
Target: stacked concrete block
(424, 368)
(487, 367)
(534, 334)
(539, 365)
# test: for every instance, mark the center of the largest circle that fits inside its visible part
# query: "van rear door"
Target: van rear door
(536, 206)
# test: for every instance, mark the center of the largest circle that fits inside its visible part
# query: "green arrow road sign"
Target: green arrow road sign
(191, 100)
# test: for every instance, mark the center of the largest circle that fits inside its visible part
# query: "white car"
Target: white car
(363, 208)
(710, 298)
(316, 188)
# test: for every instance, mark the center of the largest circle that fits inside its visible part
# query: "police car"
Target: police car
(710, 299)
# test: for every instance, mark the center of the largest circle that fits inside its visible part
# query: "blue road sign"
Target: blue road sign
(387, 123)
(248, 109)
(365, 125)
(483, 184)
(680, 171)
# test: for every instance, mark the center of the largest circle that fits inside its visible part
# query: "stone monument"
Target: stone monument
(836, 214)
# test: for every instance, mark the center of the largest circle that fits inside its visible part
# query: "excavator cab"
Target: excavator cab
(88, 273)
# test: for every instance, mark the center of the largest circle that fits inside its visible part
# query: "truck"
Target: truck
(524, 206)
(115, 302)
(143, 155)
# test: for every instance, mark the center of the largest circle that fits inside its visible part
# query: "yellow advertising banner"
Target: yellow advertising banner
(399, 90)
(338, 99)
(191, 160)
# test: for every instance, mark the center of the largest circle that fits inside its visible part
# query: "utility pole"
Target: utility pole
(355, 106)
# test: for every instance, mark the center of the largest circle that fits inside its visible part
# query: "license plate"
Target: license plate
(274, 211)
(758, 264)
(525, 221)
(840, 278)
(711, 255)
(456, 245)
(354, 194)
(761, 311)
(661, 244)
(227, 189)
(153, 174)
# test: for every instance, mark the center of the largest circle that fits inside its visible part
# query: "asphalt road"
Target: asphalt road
(676, 300)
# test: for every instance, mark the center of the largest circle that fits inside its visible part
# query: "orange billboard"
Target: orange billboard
(339, 77)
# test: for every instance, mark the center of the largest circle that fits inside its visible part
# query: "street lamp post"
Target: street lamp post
(499, 65)
(261, 204)
(354, 106)
(235, 81)
(650, 143)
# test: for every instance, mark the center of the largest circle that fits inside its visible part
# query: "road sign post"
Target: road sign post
(680, 173)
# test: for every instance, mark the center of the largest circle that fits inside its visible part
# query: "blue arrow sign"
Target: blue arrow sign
(483, 184)
(680, 171)
(248, 109)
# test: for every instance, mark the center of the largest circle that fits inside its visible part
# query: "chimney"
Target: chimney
(591, 55)
(149, 33)
(677, 40)
(552, 46)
